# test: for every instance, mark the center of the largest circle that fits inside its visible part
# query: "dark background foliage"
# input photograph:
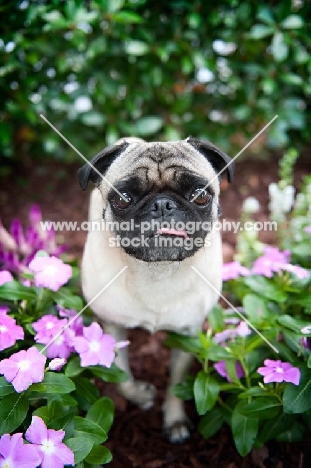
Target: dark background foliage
(159, 69)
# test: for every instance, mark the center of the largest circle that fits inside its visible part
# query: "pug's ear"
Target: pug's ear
(214, 155)
(99, 165)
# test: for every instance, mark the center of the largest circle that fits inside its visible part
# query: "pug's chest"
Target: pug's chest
(166, 305)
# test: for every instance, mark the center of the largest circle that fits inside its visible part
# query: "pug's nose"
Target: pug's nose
(163, 206)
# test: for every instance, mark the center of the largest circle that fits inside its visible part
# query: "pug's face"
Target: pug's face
(162, 198)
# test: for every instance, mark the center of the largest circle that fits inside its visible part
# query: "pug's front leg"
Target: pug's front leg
(176, 424)
(137, 391)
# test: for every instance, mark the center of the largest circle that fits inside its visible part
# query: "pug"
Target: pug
(158, 203)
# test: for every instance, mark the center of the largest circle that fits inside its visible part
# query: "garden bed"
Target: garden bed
(135, 439)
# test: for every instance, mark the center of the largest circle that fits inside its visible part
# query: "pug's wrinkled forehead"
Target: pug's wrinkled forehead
(157, 164)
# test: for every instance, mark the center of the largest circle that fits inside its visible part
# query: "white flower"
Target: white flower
(83, 104)
(251, 205)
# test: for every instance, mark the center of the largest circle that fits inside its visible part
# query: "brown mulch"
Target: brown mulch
(136, 438)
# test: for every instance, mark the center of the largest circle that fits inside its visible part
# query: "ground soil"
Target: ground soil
(136, 439)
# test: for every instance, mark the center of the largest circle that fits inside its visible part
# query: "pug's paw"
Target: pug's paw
(139, 392)
(179, 431)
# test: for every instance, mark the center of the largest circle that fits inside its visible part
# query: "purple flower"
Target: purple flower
(233, 270)
(307, 229)
(50, 272)
(18, 236)
(277, 371)
(15, 454)
(224, 335)
(95, 347)
(23, 368)
(9, 331)
(48, 444)
(47, 328)
(230, 333)
(57, 364)
(5, 277)
(220, 367)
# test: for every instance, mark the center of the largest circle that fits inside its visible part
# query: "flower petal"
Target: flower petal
(37, 431)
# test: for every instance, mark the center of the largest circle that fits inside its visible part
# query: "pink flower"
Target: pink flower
(233, 270)
(9, 331)
(77, 324)
(50, 272)
(220, 367)
(95, 347)
(23, 368)
(277, 371)
(48, 328)
(296, 270)
(15, 454)
(48, 444)
(243, 329)
(274, 261)
(57, 364)
(5, 277)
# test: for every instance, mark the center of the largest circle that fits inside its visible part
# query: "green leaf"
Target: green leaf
(184, 390)
(93, 119)
(253, 392)
(65, 299)
(206, 390)
(255, 308)
(5, 387)
(111, 374)
(297, 398)
(244, 431)
(258, 31)
(13, 411)
(102, 413)
(136, 47)
(265, 288)
(211, 422)
(126, 17)
(292, 22)
(148, 125)
(217, 353)
(292, 323)
(89, 429)
(279, 48)
(263, 408)
(87, 391)
(43, 413)
(73, 367)
(81, 447)
(15, 291)
(186, 343)
(271, 428)
(216, 318)
(66, 423)
(99, 455)
(56, 383)
(293, 433)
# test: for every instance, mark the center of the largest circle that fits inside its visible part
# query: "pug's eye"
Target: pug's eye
(121, 203)
(202, 196)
